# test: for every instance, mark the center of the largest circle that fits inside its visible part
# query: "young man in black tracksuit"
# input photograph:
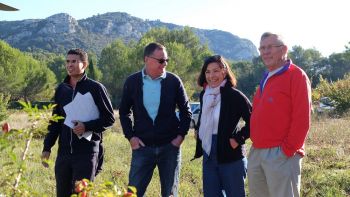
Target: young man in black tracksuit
(77, 156)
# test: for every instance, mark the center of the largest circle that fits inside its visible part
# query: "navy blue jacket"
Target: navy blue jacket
(68, 142)
(166, 125)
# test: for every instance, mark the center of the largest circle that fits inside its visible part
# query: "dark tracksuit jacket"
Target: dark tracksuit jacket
(234, 105)
(69, 145)
(166, 125)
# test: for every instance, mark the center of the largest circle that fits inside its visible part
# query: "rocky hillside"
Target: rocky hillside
(60, 32)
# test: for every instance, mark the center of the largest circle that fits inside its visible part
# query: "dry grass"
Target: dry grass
(18, 119)
(326, 167)
(325, 173)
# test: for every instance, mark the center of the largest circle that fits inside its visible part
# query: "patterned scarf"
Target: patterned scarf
(207, 127)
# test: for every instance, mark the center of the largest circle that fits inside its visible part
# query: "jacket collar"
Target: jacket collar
(83, 78)
(285, 67)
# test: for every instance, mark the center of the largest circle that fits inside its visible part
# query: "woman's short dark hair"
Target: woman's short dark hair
(230, 77)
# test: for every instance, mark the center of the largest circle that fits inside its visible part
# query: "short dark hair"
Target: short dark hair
(82, 54)
(151, 47)
(231, 79)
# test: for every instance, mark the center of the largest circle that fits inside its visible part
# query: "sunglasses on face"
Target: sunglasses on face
(160, 61)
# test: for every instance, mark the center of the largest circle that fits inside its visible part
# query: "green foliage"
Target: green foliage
(11, 63)
(338, 91)
(93, 71)
(340, 65)
(121, 58)
(15, 165)
(116, 63)
(57, 66)
(39, 82)
(86, 188)
(185, 52)
(55, 62)
(327, 184)
(4, 100)
(248, 75)
(311, 61)
(22, 76)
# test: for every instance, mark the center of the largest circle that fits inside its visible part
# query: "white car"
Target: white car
(325, 104)
(195, 108)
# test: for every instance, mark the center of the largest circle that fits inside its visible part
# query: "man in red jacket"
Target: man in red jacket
(279, 123)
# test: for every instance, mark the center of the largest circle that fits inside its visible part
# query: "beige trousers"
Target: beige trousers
(272, 174)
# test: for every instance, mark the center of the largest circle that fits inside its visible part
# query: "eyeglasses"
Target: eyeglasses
(269, 47)
(161, 61)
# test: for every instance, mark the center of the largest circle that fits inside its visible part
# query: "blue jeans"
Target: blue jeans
(225, 179)
(143, 162)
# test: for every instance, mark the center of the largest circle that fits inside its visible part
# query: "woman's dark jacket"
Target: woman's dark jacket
(68, 142)
(234, 106)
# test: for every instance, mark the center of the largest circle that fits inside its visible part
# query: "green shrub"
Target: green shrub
(338, 91)
(13, 165)
(4, 100)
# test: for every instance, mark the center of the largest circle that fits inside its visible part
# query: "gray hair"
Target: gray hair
(279, 37)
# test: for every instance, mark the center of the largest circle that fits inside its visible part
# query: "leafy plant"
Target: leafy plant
(4, 100)
(13, 169)
(338, 91)
(22, 76)
(86, 188)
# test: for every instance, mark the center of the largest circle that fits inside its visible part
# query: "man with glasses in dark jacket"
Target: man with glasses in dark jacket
(155, 133)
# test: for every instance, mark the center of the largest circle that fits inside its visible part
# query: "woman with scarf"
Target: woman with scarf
(219, 137)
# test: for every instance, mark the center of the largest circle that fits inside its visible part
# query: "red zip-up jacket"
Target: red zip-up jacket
(281, 111)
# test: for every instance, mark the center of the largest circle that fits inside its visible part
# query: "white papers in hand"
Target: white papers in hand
(83, 109)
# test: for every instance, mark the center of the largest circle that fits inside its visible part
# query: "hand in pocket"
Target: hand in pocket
(233, 143)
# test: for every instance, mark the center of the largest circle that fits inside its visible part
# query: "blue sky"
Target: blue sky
(320, 24)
